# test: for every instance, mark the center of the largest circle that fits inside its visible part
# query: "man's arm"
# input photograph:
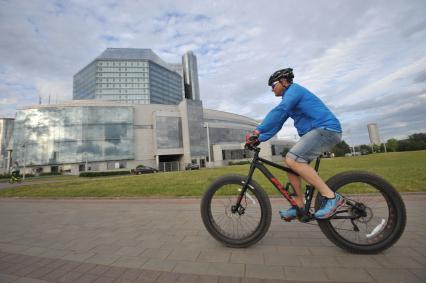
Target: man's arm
(275, 119)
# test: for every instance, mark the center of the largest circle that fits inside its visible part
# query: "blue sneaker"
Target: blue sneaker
(329, 207)
(288, 214)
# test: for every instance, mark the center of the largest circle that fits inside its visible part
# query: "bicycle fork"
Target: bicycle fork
(243, 190)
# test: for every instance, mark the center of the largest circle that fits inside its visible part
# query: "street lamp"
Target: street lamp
(352, 148)
(206, 125)
(383, 141)
(25, 161)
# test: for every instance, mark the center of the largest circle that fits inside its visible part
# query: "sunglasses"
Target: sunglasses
(274, 84)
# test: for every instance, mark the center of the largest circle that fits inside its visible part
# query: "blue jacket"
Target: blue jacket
(307, 111)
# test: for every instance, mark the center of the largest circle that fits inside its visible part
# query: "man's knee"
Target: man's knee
(293, 164)
(290, 162)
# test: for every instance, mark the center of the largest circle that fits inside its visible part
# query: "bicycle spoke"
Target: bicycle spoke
(238, 224)
(376, 207)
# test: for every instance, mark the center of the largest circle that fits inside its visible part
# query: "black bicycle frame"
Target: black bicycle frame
(309, 193)
(258, 163)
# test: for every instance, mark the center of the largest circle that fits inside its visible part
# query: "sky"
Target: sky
(365, 59)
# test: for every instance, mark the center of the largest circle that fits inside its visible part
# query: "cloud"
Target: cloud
(420, 77)
(7, 101)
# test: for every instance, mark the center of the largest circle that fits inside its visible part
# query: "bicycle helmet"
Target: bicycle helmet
(281, 74)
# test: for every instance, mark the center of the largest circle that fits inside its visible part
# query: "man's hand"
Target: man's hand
(252, 139)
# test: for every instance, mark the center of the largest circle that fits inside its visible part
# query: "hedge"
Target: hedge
(7, 176)
(50, 174)
(107, 173)
(242, 162)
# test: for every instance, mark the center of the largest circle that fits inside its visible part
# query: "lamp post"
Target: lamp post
(352, 148)
(206, 125)
(9, 160)
(25, 160)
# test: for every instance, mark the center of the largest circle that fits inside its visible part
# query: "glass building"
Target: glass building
(129, 75)
(96, 135)
(190, 74)
(52, 135)
(131, 108)
(6, 141)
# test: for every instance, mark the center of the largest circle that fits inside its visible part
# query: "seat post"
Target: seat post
(317, 163)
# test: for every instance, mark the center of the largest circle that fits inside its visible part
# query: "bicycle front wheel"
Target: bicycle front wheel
(373, 217)
(237, 228)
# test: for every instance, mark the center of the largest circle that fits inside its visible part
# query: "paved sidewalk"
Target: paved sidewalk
(164, 240)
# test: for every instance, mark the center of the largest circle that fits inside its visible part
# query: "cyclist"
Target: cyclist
(319, 130)
(15, 170)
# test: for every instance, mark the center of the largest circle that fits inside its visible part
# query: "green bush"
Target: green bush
(5, 176)
(50, 174)
(107, 173)
(241, 162)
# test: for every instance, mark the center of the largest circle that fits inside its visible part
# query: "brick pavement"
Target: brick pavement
(164, 240)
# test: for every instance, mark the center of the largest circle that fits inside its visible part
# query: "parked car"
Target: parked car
(145, 169)
(192, 166)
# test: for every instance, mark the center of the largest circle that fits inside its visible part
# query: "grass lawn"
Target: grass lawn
(406, 171)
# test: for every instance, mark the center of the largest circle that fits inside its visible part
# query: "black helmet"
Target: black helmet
(280, 74)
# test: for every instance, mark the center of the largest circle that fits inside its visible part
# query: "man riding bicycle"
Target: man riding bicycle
(319, 130)
(15, 170)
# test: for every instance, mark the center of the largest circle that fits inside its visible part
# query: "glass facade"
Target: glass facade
(225, 135)
(238, 124)
(135, 76)
(73, 134)
(84, 83)
(165, 86)
(236, 154)
(6, 132)
(169, 132)
(125, 81)
(190, 73)
(197, 132)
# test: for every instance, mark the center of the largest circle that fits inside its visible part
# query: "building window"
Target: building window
(111, 165)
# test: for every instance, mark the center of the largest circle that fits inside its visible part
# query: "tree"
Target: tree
(341, 149)
(414, 142)
(376, 148)
(365, 149)
(392, 145)
(418, 141)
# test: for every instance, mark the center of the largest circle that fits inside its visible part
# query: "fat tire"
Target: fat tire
(264, 202)
(387, 190)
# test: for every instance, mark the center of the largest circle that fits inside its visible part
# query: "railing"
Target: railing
(169, 166)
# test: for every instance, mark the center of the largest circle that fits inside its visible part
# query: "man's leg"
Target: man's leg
(311, 176)
(296, 182)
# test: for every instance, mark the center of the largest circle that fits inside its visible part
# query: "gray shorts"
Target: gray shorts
(312, 144)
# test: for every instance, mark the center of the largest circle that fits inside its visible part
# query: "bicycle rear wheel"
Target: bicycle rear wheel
(373, 217)
(236, 228)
